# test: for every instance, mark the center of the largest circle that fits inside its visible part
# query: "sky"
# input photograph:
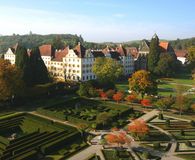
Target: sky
(100, 20)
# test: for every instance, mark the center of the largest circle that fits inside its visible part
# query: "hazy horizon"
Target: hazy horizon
(100, 21)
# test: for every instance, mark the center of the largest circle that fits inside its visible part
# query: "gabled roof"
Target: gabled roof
(164, 45)
(133, 51)
(80, 50)
(14, 48)
(46, 50)
(107, 50)
(181, 53)
(59, 55)
(121, 50)
(97, 53)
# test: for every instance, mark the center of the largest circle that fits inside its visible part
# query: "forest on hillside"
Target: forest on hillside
(34, 40)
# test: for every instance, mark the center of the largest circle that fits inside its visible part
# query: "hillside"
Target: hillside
(33, 40)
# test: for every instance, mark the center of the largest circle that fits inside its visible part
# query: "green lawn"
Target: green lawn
(167, 86)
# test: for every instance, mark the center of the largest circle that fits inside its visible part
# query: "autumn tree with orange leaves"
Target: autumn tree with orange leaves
(143, 83)
(11, 83)
(139, 128)
(118, 96)
(103, 96)
(119, 138)
(146, 103)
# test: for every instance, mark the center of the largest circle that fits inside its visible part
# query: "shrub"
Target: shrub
(188, 143)
(160, 116)
(110, 93)
(156, 145)
(192, 122)
(146, 155)
(167, 122)
(146, 103)
(131, 98)
(182, 133)
(118, 96)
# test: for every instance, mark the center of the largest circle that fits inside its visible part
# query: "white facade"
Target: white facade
(9, 55)
(76, 68)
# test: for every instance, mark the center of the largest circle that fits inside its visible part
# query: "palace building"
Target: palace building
(76, 64)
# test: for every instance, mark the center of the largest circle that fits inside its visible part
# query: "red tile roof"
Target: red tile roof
(121, 50)
(80, 50)
(59, 55)
(107, 50)
(164, 45)
(46, 50)
(181, 53)
(133, 51)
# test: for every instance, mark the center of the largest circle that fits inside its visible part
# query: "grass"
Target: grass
(168, 85)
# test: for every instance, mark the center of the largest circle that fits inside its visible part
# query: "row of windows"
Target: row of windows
(88, 77)
(87, 71)
(74, 71)
(71, 65)
(87, 65)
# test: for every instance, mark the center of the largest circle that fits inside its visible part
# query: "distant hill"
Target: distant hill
(33, 40)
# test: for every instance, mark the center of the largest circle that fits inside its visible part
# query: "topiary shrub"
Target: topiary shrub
(167, 122)
(182, 133)
(160, 116)
(192, 122)
(156, 145)
(146, 155)
(188, 143)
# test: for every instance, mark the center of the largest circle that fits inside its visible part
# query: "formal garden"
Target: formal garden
(91, 113)
(25, 136)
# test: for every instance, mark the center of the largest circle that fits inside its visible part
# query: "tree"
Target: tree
(38, 69)
(191, 54)
(87, 90)
(146, 103)
(138, 127)
(119, 138)
(58, 43)
(165, 103)
(103, 96)
(11, 83)
(103, 118)
(131, 98)
(154, 54)
(107, 69)
(110, 93)
(182, 102)
(118, 96)
(168, 65)
(141, 82)
(23, 63)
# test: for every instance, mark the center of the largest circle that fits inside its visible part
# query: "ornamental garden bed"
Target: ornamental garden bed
(112, 154)
(160, 146)
(185, 147)
(174, 125)
(81, 111)
(184, 134)
(187, 156)
(25, 136)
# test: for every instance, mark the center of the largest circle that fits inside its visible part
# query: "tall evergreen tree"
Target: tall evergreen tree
(38, 68)
(22, 62)
(154, 54)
